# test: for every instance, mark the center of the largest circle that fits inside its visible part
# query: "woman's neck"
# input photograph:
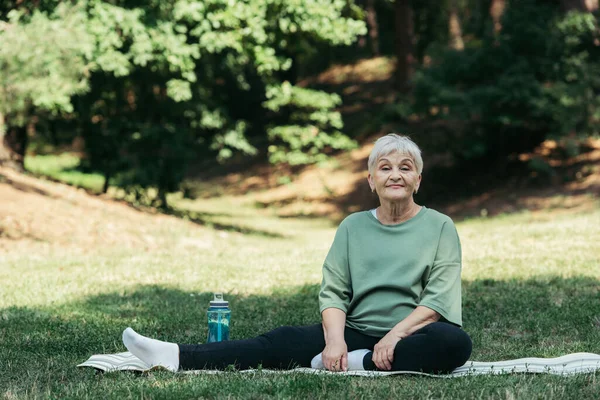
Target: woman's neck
(391, 213)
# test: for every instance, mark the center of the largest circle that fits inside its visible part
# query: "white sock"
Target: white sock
(152, 351)
(355, 360)
(317, 362)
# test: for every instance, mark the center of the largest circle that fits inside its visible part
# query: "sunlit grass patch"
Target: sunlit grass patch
(64, 167)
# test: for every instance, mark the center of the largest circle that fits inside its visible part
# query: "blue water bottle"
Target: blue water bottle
(219, 316)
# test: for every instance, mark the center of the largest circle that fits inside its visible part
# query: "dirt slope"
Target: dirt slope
(45, 211)
(338, 189)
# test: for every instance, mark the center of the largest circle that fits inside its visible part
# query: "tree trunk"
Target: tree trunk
(373, 27)
(496, 10)
(579, 5)
(53, 130)
(13, 142)
(454, 28)
(106, 182)
(162, 199)
(404, 45)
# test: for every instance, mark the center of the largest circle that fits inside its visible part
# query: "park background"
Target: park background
(154, 152)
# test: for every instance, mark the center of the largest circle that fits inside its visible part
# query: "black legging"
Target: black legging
(436, 348)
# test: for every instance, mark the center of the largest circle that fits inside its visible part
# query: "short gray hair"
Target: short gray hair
(392, 143)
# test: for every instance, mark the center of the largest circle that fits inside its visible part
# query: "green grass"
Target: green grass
(531, 288)
(63, 167)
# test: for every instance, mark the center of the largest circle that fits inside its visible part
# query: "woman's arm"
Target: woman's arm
(442, 290)
(334, 299)
(335, 354)
(420, 317)
(383, 352)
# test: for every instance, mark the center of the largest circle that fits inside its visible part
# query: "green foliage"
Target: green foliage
(574, 102)
(231, 140)
(307, 138)
(208, 65)
(505, 93)
(173, 80)
(44, 60)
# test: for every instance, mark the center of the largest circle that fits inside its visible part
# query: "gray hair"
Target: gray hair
(392, 143)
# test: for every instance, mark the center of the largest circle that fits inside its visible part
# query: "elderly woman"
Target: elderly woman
(390, 297)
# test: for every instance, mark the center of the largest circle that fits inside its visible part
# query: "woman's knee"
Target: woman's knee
(455, 341)
(462, 346)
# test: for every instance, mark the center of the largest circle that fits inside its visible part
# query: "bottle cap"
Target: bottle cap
(218, 301)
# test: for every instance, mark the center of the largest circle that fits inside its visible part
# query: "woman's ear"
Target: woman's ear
(418, 184)
(371, 183)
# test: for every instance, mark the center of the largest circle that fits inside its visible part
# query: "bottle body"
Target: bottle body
(219, 316)
(218, 324)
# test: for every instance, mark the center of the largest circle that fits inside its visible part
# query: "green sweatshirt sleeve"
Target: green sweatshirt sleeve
(442, 290)
(336, 289)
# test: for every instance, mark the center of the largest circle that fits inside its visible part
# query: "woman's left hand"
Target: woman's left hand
(383, 352)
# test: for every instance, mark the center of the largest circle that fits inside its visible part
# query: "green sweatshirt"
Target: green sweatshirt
(378, 274)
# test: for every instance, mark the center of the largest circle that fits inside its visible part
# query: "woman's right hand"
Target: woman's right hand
(335, 356)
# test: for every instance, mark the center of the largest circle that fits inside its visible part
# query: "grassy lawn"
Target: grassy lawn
(531, 288)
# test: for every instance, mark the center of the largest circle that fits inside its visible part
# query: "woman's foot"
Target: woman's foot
(355, 360)
(152, 351)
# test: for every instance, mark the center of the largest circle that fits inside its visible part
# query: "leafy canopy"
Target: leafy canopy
(170, 81)
(44, 61)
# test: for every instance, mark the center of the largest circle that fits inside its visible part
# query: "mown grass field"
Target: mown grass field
(531, 287)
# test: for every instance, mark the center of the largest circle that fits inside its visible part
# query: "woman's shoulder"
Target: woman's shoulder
(437, 217)
(358, 217)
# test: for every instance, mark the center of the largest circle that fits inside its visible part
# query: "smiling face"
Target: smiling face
(395, 177)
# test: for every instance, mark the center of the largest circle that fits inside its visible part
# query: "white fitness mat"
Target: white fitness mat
(570, 364)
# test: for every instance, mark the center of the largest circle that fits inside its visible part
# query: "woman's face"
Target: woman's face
(395, 177)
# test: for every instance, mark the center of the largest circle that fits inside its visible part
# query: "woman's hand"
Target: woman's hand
(383, 352)
(335, 356)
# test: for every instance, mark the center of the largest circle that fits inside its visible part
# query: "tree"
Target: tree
(172, 81)
(43, 62)
(417, 25)
(373, 26)
(183, 79)
(496, 10)
(454, 27)
(535, 78)
(404, 44)
(580, 5)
